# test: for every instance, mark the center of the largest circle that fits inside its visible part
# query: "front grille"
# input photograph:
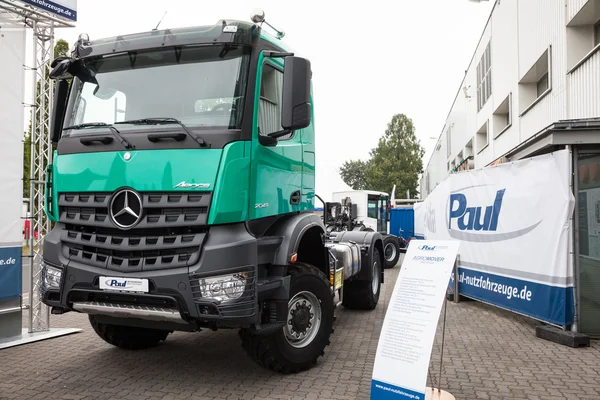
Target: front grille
(160, 210)
(170, 233)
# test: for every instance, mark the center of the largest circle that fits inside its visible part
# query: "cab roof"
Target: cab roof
(223, 32)
(364, 191)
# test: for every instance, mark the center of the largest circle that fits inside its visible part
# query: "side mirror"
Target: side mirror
(58, 109)
(296, 107)
(60, 66)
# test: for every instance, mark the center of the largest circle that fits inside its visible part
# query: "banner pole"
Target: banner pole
(456, 264)
(442, 350)
(32, 155)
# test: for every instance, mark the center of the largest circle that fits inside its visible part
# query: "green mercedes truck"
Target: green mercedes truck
(182, 191)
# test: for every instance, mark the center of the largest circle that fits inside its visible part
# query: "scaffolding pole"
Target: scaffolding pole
(42, 24)
(41, 155)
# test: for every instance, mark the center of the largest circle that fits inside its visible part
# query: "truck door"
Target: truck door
(382, 215)
(276, 171)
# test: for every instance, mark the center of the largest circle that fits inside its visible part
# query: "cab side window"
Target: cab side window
(269, 108)
(372, 208)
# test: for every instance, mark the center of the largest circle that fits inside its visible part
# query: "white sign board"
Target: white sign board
(62, 8)
(513, 222)
(12, 56)
(411, 319)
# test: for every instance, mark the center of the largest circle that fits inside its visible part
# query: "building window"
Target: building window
(449, 141)
(469, 149)
(484, 77)
(536, 83)
(583, 35)
(503, 116)
(542, 85)
(481, 138)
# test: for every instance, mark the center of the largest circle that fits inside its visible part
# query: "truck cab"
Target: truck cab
(182, 189)
(373, 208)
(370, 211)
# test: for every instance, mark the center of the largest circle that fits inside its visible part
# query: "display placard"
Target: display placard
(411, 319)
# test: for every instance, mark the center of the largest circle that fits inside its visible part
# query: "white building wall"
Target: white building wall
(542, 27)
(574, 6)
(521, 32)
(584, 89)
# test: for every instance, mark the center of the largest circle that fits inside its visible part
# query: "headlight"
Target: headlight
(223, 287)
(51, 276)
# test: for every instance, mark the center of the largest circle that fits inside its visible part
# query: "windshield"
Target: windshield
(199, 86)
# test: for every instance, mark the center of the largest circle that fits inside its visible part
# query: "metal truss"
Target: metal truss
(41, 157)
(42, 24)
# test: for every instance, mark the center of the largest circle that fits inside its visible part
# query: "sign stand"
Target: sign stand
(431, 393)
(402, 361)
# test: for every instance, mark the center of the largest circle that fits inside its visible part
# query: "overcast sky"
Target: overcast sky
(370, 60)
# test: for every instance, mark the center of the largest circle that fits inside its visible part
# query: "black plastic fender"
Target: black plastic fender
(291, 230)
(368, 241)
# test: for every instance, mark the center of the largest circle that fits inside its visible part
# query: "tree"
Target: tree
(397, 160)
(61, 49)
(353, 174)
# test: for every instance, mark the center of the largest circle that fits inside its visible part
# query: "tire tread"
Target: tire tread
(261, 348)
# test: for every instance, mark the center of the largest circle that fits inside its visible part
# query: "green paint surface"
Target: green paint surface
(248, 180)
(278, 171)
(146, 170)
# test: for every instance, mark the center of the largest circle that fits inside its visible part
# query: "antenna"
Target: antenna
(160, 21)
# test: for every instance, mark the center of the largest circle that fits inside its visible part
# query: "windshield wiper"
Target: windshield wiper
(167, 120)
(114, 130)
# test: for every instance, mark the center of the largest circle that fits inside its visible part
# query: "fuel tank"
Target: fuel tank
(347, 256)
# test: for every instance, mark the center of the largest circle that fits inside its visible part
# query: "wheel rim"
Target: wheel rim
(375, 280)
(303, 319)
(390, 252)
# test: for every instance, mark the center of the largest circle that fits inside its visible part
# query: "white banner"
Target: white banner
(62, 8)
(12, 51)
(513, 222)
(411, 319)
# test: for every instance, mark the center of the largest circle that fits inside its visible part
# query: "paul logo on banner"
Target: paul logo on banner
(502, 215)
(411, 319)
(470, 220)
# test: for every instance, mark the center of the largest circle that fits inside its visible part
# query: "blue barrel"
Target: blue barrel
(402, 222)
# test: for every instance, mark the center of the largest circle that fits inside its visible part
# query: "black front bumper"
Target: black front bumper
(227, 249)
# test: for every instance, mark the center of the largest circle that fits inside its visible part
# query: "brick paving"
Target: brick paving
(489, 354)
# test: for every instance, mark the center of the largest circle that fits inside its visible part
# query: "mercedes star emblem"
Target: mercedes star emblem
(126, 208)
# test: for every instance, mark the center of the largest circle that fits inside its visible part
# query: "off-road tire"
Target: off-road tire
(273, 351)
(391, 241)
(128, 337)
(359, 295)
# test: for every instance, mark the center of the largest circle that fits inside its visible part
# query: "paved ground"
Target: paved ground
(489, 354)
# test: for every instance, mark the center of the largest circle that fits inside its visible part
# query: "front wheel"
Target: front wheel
(391, 251)
(309, 321)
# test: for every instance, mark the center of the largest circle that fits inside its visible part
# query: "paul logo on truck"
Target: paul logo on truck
(116, 284)
(481, 222)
